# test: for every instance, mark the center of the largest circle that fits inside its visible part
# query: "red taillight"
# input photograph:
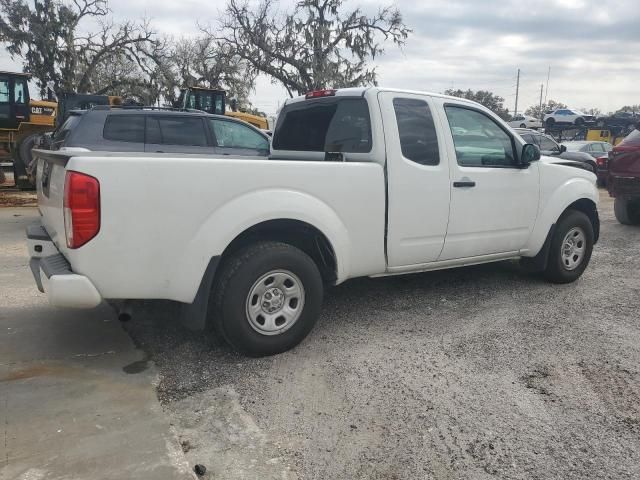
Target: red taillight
(327, 92)
(602, 161)
(81, 208)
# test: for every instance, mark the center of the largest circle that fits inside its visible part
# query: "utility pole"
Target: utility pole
(515, 110)
(547, 92)
(541, 112)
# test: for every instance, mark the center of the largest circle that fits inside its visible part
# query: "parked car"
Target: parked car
(525, 121)
(593, 148)
(141, 129)
(599, 151)
(602, 170)
(623, 121)
(566, 116)
(360, 182)
(548, 146)
(624, 179)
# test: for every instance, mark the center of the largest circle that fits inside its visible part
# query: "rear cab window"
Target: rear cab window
(336, 124)
(417, 131)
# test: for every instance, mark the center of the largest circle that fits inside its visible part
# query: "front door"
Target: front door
(418, 179)
(494, 202)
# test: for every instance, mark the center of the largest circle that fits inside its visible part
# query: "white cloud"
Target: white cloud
(590, 45)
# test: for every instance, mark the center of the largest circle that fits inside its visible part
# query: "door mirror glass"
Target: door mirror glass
(530, 153)
(563, 148)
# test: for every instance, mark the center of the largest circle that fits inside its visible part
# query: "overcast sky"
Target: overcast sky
(592, 47)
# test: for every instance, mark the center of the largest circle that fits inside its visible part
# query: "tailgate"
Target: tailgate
(50, 178)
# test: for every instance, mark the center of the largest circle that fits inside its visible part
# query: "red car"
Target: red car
(624, 178)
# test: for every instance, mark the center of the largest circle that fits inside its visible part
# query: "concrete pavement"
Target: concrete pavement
(77, 399)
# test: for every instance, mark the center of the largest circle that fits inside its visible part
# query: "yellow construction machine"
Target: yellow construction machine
(213, 100)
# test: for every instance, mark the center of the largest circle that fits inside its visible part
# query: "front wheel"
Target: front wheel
(627, 211)
(571, 248)
(267, 298)
(522, 125)
(579, 121)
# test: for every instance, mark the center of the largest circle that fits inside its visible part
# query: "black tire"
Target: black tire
(522, 125)
(22, 159)
(579, 121)
(550, 122)
(627, 211)
(557, 271)
(240, 273)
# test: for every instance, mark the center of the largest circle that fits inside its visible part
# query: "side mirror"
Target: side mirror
(563, 148)
(530, 153)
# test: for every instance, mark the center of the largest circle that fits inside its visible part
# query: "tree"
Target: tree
(47, 38)
(493, 102)
(630, 108)
(537, 112)
(205, 62)
(315, 46)
(596, 112)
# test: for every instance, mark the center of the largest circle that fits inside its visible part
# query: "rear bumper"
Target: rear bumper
(53, 275)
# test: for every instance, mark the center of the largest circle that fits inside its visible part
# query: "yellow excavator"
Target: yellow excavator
(24, 120)
(213, 100)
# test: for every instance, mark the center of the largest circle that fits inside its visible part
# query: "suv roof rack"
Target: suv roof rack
(145, 107)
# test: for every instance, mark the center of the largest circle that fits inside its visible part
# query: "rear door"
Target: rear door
(494, 202)
(417, 179)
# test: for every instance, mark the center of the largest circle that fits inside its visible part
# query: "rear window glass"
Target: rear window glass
(176, 130)
(61, 133)
(632, 139)
(124, 128)
(327, 125)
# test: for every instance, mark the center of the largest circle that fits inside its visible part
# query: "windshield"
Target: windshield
(327, 125)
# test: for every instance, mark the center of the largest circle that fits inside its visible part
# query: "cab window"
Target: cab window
(418, 139)
(20, 92)
(479, 141)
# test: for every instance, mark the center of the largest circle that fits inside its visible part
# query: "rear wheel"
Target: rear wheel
(522, 125)
(570, 249)
(267, 298)
(627, 211)
(22, 159)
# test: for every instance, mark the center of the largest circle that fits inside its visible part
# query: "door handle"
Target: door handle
(466, 183)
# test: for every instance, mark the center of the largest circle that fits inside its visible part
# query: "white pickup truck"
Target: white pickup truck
(360, 182)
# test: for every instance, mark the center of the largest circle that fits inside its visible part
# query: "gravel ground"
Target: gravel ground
(482, 372)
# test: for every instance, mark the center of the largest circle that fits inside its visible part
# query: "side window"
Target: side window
(597, 147)
(607, 147)
(235, 135)
(124, 128)
(417, 131)
(4, 91)
(547, 144)
(484, 143)
(176, 130)
(20, 92)
(528, 138)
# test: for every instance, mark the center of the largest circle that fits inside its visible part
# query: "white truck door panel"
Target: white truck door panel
(494, 203)
(418, 179)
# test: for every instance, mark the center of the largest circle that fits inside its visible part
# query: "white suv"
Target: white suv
(566, 116)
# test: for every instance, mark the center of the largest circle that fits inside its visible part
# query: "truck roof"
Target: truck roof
(361, 91)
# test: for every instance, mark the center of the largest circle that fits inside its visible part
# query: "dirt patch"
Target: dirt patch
(11, 198)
